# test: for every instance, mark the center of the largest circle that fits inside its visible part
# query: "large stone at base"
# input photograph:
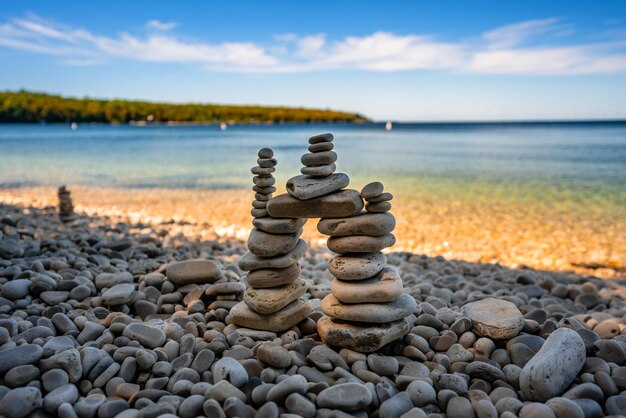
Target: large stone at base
(493, 318)
(290, 315)
(369, 312)
(364, 339)
(308, 187)
(267, 301)
(339, 204)
(249, 261)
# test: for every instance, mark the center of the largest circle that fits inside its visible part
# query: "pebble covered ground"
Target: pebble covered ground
(96, 321)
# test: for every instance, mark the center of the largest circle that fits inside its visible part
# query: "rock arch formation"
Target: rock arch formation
(367, 307)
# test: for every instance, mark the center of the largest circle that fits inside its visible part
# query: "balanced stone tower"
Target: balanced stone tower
(367, 308)
(66, 208)
(272, 300)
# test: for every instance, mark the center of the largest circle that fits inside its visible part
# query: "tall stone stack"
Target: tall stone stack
(272, 300)
(66, 208)
(367, 307)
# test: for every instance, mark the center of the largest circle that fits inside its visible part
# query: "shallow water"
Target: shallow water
(548, 195)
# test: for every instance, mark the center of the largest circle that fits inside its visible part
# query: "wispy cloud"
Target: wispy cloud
(532, 47)
(162, 26)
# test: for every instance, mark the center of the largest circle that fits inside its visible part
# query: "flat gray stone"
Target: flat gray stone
(338, 204)
(365, 339)
(494, 318)
(307, 187)
(243, 316)
(386, 286)
(358, 266)
(360, 243)
(371, 224)
(267, 301)
(265, 278)
(20, 402)
(250, 261)
(194, 271)
(369, 312)
(279, 225)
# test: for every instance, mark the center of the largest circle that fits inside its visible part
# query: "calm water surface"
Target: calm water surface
(581, 163)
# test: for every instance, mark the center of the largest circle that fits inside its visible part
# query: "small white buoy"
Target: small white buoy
(388, 126)
(74, 126)
(223, 126)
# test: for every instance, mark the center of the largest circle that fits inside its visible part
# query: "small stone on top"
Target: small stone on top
(265, 153)
(372, 190)
(327, 137)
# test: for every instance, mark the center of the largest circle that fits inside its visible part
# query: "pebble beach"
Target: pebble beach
(94, 323)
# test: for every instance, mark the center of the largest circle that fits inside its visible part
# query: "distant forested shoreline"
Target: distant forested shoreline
(32, 107)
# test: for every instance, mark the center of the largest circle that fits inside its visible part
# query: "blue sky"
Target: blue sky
(400, 60)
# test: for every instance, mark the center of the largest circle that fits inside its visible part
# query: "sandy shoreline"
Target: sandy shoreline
(528, 234)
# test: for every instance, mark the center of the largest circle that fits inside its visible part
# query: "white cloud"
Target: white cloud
(161, 26)
(520, 48)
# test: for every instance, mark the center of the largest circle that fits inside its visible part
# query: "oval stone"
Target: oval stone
(279, 226)
(386, 286)
(357, 266)
(250, 261)
(554, 367)
(369, 312)
(194, 271)
(307, 187)
(267, 301)
(345, 396)
(493, 318)
(371, 224)
(263, 244)
(264, 278)
(319, 158)
(290, 315)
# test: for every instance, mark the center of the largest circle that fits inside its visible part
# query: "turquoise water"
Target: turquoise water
(577, 161)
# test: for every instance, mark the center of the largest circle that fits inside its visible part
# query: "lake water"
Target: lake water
(574, 161)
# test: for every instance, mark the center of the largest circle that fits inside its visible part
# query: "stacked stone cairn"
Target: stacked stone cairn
(66, 208)
(272, 300)
(367, 307)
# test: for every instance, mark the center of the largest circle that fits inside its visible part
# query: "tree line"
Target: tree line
(31, 107)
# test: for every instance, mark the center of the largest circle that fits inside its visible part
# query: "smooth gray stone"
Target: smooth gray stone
(292, 384)
(536, 410)
(20, 402)
(421, 393)
(19, 356)
(460, 407)
(147, 336)
(63, 394)
(396, 406)
(300, 405)
(342, 203)
(229, 369)
(307, 187)
(118, 294)
(554, 367)
(87, 407)
(212, 408)
(565, 408)
(21, 375)
(345, 396)
(249, 261)
(15, 289)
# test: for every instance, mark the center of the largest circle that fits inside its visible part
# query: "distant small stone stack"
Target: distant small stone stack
(272, 300)
(367, 308)
(66, 208)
